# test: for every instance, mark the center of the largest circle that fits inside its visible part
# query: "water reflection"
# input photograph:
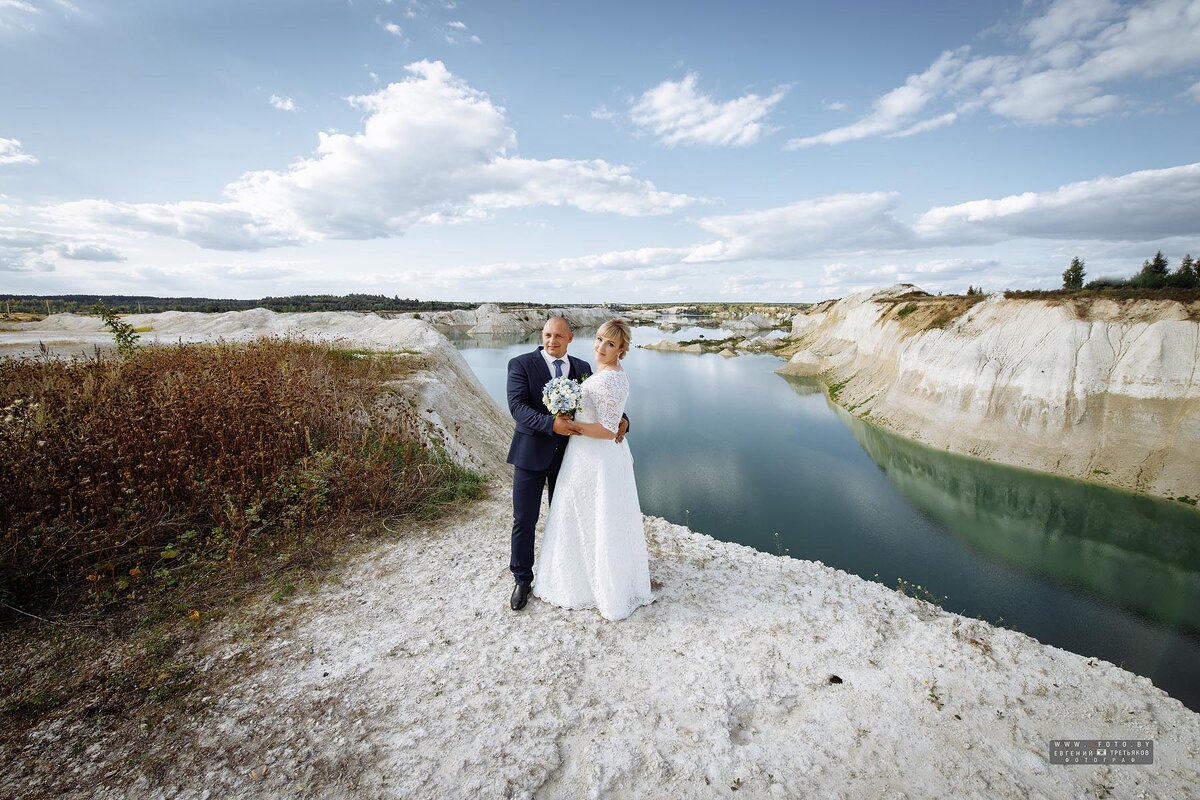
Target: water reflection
(1139, 552)
(489, 341)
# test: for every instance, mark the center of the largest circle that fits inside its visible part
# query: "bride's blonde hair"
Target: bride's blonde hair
(617, 330)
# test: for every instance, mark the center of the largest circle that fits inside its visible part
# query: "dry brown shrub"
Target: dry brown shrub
(1082, 300)
(920, 311)
(117, 471)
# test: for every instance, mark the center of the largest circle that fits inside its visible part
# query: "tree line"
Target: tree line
(1156, 273)
(130, 304)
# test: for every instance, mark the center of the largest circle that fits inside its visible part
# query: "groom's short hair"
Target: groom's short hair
(565, 321)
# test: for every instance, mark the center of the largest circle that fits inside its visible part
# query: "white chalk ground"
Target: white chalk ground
(410, 677)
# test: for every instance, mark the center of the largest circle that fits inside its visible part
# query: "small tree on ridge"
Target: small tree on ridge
(1073, 276)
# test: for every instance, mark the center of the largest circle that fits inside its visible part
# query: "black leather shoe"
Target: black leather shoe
(520, 596)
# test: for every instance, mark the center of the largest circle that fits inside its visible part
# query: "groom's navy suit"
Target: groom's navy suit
(536, 452)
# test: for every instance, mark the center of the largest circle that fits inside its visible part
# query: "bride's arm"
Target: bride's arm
(610, 400)
(596, 430)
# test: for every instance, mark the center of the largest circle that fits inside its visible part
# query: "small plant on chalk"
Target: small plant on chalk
(123, 332)
(919, 592)
(934, 696)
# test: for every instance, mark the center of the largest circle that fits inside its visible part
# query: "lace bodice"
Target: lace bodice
(604, 396)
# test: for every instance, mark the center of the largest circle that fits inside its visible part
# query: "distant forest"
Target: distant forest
(129, 304)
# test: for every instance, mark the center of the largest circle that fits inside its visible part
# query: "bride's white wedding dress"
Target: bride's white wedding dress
(593, 553)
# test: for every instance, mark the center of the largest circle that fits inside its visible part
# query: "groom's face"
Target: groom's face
(556, 335)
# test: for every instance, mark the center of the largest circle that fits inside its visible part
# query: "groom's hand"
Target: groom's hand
(624, 426)
(565, 427)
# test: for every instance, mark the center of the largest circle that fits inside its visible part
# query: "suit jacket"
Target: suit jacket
(534, 440)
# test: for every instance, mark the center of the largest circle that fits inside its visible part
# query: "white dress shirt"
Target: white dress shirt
(566, 365)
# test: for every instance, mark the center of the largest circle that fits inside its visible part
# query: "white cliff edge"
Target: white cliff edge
(1101, 391)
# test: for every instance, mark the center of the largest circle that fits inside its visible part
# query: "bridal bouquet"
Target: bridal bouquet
(563, 396)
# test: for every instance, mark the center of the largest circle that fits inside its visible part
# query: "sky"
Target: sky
(592, 152)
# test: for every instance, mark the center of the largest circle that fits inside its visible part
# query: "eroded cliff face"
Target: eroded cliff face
(1099, 390)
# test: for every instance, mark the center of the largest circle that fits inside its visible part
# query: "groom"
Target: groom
(539, 442)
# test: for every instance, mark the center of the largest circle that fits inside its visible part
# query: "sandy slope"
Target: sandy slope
(410, 677)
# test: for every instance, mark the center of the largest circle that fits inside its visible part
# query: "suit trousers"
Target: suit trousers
(527, 506)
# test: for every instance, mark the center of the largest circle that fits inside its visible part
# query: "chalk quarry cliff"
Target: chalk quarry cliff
(1096, 389)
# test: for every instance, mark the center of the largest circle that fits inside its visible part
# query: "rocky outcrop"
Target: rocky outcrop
(726, 347)
(668, 346)
(752, 322)
(1097, 390)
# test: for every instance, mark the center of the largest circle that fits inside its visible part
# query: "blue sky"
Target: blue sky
(565, 152)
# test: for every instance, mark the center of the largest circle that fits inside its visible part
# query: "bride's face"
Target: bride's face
(607, 351)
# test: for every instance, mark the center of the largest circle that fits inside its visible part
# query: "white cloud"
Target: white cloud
(1078, 55)
(626, 260)
(1139, 206)
(677, 113)
(283, 103)
(805, 228)
(895, 110)
(89, 252)
(17, 15)
(1193, 93)
(1069, 20)
(1148, 207)
(455, 33)
(932, 275)
(761, 286)
(8, 263)
(433, 150)
(394, 29)
(836, 105)
(11, 153)
(926, 125)
(32, 247)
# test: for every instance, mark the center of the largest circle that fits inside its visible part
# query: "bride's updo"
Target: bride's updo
(618, 331)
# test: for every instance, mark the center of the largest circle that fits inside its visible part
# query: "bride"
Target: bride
(593, 552)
